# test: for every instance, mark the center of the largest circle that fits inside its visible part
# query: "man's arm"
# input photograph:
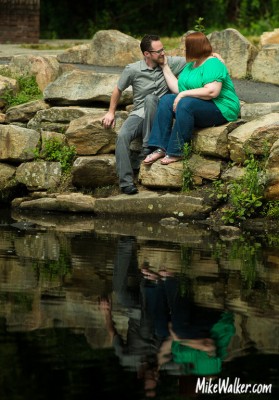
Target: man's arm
(109, 119)
(105, 307)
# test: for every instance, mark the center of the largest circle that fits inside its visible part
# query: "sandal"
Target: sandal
(169, 159)
(151, 158)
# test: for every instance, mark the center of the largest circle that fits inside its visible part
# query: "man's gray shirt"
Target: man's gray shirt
(145, 80)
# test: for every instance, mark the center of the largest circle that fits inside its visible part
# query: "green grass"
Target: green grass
(170, 43)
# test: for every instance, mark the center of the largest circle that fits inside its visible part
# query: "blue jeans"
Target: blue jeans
(171, 135)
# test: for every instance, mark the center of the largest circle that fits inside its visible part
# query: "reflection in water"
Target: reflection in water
(142, 310)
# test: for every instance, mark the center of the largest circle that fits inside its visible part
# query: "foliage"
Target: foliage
(28, 90)
(199, 25)
(55, 150)
(187, 178)
(245, 195)
(249, 253)
(136, 18)
(271, 209)
(219, 190)
(53, 269)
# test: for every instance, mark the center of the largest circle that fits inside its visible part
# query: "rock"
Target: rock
(93, 172)
(39, 175)
(265, 67)
(268, 38)
(46, 69)
(254, 137)
(89, 136)
(113, 48)
(25, 112)
(17, 144)
(84, 88)
(238, 56)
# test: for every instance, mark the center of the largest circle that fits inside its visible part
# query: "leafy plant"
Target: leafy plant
(28, 90)
(53, 269)
(55, 150)
(219, 190)
(271, 209)
(250, 255)
(199, 25)
(246, 194)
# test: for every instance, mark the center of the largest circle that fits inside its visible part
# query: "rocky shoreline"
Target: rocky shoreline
(74, 101)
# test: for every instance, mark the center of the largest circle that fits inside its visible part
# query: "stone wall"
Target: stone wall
(19, 21)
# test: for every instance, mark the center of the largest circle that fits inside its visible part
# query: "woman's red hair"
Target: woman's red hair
(197, 46)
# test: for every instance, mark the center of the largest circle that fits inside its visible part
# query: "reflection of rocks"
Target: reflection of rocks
(39, 299)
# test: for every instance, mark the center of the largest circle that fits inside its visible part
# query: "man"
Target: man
(148, 83)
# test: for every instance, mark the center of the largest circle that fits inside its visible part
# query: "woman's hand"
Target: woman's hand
(176, 101)
(163, 62)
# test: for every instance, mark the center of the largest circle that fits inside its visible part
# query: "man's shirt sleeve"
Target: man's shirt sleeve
(126, 78)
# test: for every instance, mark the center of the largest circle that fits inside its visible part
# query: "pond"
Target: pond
(95, 307)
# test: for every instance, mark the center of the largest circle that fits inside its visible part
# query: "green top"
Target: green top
(212, 70)
(198, 362)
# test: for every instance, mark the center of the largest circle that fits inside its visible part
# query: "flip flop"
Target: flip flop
(169, 159)
(151, 158)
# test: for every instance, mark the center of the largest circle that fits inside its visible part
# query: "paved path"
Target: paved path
(256, 92)
(247, 90)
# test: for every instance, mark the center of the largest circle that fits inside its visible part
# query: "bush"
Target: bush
(55, 150)
(28, 90)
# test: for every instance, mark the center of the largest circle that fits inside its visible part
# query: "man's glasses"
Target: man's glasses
(157, 51)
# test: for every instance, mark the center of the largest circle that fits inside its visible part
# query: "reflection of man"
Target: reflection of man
(138, 350)
(148, 83)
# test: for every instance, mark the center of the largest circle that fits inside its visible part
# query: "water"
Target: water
(83, 309)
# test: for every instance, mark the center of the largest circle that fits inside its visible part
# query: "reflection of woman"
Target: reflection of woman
(204, 96)
(204, 357)
(195, 338)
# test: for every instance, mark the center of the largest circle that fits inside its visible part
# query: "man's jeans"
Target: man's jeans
(190, 113)
(132, 128)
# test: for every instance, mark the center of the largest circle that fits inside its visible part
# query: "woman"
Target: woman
(204, 96)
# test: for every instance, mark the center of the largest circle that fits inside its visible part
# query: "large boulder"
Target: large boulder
(17, 144)
(84, 87)
(265, 68)
(45, 68)
(255, 137)
(113, 48)
(238, 55)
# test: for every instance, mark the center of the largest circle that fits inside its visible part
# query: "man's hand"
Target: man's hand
(217, 55)
(109, 120)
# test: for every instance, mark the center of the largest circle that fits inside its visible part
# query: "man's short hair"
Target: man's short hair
(145, 44)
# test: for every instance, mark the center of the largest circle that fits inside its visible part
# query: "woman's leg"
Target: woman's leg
(191, 113)
(162, 125)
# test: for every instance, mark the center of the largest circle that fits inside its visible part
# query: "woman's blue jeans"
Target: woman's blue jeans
(171, 130)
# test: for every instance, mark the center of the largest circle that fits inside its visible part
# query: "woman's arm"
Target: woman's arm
(207, 92)
(169, 76)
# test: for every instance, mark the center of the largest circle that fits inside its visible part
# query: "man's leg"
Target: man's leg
(150, 107)
(131, 129)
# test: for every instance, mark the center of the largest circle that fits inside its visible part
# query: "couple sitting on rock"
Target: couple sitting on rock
(171, 96)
